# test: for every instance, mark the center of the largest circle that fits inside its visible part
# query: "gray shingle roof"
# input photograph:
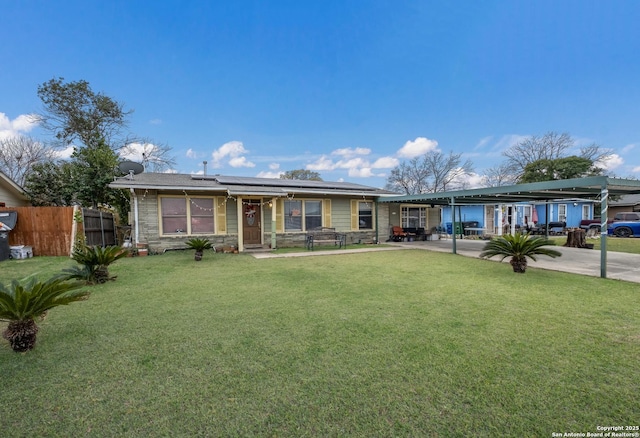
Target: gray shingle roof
(236, 185)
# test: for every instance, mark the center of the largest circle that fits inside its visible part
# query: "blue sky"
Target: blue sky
(346, 88)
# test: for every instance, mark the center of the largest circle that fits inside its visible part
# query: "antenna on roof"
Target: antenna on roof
(131, 168)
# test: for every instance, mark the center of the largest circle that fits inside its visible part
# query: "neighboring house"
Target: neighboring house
(11, 194)
(625, 203)
(168, 209)
(494, 219)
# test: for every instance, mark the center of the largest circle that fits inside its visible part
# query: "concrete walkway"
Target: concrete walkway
(620, 266)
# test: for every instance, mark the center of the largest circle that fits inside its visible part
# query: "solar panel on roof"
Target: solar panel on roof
(273, 182)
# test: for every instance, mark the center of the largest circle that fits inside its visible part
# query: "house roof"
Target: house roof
(243, 186)
(627, 200)
(13, 187)
(585, 188)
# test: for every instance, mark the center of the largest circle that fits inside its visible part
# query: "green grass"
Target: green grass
(616, 244)
(402, 343)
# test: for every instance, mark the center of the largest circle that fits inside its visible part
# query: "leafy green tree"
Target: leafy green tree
(73, 111)
(22, 302)
(550, 146)
(51, 184)
(519, 247)
(303, 174)
(560, 168)
(94, 168)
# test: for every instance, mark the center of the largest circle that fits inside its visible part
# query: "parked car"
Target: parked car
(624, 229)
(627, 216)
(594, 224)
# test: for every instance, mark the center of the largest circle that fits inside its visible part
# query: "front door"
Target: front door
(251, 223)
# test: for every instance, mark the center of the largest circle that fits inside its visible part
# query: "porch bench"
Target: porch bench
(320, 235)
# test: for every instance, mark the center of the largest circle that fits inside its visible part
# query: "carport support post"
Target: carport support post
(604, 196)
(274, 203)
(453, 224)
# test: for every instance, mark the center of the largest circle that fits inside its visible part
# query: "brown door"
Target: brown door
(251, 227)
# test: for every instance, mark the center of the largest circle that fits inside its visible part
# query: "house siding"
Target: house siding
(149, 222)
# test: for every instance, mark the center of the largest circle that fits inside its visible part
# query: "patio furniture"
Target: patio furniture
(324, 235)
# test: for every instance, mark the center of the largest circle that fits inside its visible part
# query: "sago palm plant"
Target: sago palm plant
(95, 262)
(519, 247)
(199, 245)
(22, 302)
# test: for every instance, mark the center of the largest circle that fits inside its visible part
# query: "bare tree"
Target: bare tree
(499, 175)
(430, 173)
(550, 146)
(19, 154)
(153, 156)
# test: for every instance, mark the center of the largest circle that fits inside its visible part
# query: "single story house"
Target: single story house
(168, 209)
(11, 194)
(496, 218)
(622, 204)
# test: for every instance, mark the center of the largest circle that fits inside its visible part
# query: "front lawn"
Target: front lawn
(401, 343)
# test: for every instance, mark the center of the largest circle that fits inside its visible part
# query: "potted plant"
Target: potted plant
(199, 245)
(23, 301)
(519, 247)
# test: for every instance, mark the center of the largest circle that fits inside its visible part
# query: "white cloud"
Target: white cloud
(241, 162)
(417, 147)
(354, 161)
(612, 162)
(627, 148)
(472, 181)
(385, 163)
(191, 153)
(351, 152)
(19, 126)
(233, 151)
(63, 154)
(364, 172)
(483, 142)
(137, 151)
(155, 121)
(274, 166)
(506, 141)
(636, 169)
(322, 163)
(269, 174)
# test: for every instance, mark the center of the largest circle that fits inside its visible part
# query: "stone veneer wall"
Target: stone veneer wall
(149, 230)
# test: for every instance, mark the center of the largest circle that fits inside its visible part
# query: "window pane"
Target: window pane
(312, 214)
(293, 215)
(174, 215)
(365, 219)
(174, 206)
(202, 216)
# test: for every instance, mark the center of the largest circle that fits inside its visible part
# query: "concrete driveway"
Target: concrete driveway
(620, 266)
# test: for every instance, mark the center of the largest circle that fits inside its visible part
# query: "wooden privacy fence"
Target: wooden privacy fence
(99, 227)
(50, 231)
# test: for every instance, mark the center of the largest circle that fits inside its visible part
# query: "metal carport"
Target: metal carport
(595, 188)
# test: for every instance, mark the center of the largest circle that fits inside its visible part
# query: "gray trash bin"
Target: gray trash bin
(8, 221)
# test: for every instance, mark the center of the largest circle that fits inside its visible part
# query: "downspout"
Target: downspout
(135, 215)
(604, 214)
